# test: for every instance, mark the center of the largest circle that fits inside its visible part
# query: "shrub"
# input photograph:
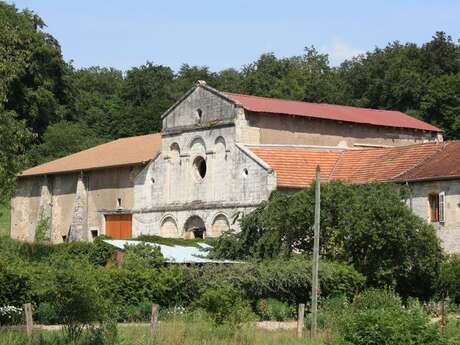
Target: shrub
(275, 310)
(378, 317)
(14, 287)
(10, 315)
(225, 304)
(448, 284)
(77, 298)
(143, 256)
(46, 314)
(288, 280)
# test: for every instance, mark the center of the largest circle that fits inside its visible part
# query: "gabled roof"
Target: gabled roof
(388, 118)
(121, 152)
(295, 166)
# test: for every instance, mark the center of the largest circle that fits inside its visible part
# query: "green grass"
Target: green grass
(5, 220)
(175, 333)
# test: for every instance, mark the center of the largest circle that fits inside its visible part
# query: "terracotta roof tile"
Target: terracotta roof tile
(295, 167)
(444, 164)
(389, 118)
(126, 151)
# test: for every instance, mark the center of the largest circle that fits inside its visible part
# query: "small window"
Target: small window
(200, 166)
(119, 202)
(433, 200)
(199, 114)
(94, 234)
(245, 172)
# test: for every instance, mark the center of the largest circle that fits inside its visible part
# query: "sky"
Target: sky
(224, 34)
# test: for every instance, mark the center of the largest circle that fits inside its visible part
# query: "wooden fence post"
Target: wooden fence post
(443, 317)
(29, 321)
(154, 319)
(300, 322)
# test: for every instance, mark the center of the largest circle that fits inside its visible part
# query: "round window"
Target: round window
(200, 166)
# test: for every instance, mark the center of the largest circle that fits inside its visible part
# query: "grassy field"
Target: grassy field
(176, 333)
(4, 220)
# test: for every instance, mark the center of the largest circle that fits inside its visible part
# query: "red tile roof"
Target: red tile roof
(444, 164)
(126, 151)
(295, 166)
(388, 118)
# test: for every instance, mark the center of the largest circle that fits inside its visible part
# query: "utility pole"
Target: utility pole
(315, 265)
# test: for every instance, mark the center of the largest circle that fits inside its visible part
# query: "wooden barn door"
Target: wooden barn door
(118, 226)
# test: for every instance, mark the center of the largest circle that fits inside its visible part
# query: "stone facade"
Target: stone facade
(75, 204)
(449, 230)
(174, 199)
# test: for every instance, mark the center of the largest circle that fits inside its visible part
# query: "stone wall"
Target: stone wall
(202, 107)
(75, 203)
(235, 181)
(449, 231)
(297, 130)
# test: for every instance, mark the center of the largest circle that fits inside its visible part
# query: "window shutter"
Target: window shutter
(442, 207)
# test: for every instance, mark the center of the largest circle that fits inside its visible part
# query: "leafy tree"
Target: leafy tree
(62, 139)
(148, 92)
(367, 226)
(441, 104)
(33, 74)
(14, 138)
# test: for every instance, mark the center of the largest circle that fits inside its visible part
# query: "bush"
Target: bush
(274, 310)
(286, 280)
(14, 287)
(449, 279)
(378, 317)
(46, 314)
(225, 304)
(10, 315)
(77, 299)
(142, 256)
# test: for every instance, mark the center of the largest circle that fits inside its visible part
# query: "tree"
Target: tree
(148, 91)
(14, 138)
(441, 104)
(368, 226)
(33, 74)
(62, 139)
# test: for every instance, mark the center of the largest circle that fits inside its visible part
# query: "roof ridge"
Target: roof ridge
(337, 162)
(316, 103)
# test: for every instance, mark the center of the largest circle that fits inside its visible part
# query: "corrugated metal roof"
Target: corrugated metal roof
(126, 151)
(175, 254)
(388, 118)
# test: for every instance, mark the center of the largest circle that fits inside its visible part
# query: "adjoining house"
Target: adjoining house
(218, 156)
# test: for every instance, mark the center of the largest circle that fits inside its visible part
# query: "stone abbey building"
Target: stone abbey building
(219, 155)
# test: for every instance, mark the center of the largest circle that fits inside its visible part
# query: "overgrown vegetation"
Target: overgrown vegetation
(366, 226)
(5, 221)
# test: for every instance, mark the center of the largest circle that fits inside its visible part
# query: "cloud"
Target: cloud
(339, 50)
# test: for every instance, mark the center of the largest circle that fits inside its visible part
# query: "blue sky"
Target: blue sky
(222, 34)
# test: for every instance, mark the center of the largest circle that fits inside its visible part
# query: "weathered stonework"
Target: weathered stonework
(449, 231)
(79, 226)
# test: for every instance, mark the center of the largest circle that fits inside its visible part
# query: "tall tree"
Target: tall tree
(33, 73)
